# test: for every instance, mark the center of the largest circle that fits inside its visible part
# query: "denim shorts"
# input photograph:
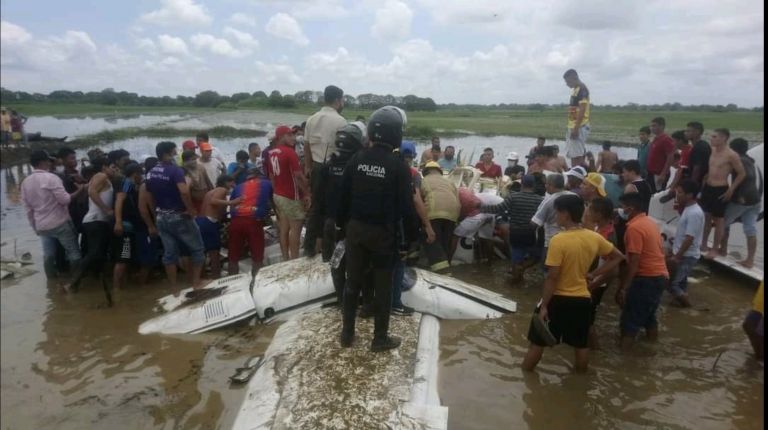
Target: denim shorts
(748, 215)
(177, 231)
(643, 298)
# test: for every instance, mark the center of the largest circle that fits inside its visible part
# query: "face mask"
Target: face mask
(59, 169)
(191, 164)
(299, 140)
(623, 215)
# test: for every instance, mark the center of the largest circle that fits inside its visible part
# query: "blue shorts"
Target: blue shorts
(643, 298)
(518, 254)
(755, 320)
(148, 249)
(747, 214)
(210, 232)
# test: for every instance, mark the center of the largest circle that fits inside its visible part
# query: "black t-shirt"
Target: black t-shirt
(699, 157)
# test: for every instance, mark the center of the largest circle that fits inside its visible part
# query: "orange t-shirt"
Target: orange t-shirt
(643, 237)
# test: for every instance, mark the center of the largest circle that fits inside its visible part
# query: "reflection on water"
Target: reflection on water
(84, 125)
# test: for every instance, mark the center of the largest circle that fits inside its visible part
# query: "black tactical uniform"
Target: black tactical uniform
(374, 196)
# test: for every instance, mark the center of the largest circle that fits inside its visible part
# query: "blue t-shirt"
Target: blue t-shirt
(256, 194)
(691, 224)
(613, 188)
(447, 165)
(243, 174)
(162, 182)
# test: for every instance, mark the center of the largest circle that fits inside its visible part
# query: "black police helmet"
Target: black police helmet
(386, 126)
(349, 139)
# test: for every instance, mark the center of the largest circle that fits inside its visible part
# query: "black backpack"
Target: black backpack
(750, 191)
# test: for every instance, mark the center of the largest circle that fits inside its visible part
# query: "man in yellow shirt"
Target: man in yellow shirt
(753, 324)
(578, 119)
(566, 303)
(5, 126)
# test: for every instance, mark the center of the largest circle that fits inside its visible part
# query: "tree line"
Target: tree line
(212, 99)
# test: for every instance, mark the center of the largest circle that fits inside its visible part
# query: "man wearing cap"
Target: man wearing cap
(47, 204)
(213, 166)
(520, 208)
(592, 187)
(574, 178)
(292, 194)
(442, 201)
(448, 162)
(319, 137)
(578, 118)
(188, 145)
(512, 159)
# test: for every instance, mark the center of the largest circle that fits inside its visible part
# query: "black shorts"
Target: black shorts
(597, 297)
(569, 321)
(710, 200)
(124, 248)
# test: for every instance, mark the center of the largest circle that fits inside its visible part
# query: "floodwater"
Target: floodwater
(76, 126)
(67, 362)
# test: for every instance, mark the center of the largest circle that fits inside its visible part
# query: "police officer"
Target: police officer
(325, 199)
(374, 198)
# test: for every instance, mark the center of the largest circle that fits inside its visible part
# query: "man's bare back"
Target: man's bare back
(722, 163)
(211, 210)
(607, 160)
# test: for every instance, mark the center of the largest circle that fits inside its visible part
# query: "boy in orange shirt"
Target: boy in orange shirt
(647, 276)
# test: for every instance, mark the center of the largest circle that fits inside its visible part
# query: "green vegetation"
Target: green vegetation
(78, 109)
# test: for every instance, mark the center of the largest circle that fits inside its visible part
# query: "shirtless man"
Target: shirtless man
(606, 159)
(540, 162)
(212, 212)
(716, 192)
(433, 153)
(560, 164)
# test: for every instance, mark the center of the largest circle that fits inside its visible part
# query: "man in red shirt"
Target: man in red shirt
(291, 191)
(661, 156)
(487, 166)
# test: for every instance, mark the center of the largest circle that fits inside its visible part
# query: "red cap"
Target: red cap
(282, 131)
(188, 145)
(205, 146)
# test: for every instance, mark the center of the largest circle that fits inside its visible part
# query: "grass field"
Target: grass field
(617, 126)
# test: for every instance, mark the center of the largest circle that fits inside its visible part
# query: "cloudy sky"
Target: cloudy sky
(468, 51)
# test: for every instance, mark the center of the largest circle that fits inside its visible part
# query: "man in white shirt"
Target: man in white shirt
(213, 166)
(546, 216)
(319, 138)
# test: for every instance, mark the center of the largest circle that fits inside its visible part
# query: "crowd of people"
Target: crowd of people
(583, 222)
(12, 127)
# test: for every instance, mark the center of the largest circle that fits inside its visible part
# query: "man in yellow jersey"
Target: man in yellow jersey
(578, 119)
(753, 324)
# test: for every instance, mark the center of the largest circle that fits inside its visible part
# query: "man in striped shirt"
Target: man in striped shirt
(520, 207)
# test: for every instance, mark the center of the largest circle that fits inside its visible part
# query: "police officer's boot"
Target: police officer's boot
(348, 320)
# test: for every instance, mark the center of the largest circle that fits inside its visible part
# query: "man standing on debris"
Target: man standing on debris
(375, 197)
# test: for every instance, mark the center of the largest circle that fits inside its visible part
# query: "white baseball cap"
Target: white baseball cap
(513, 156)
(577, 172)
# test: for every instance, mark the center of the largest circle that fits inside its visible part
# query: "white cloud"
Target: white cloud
(243, 39)
(598, 14)
(172, 45)
(243, 19)
(13, 34)
(393, 21)
(214, 45)
(319, 10)
(275, 73)
(178, 13)
(286, 27)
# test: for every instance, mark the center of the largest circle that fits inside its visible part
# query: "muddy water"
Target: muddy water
(67, 362)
